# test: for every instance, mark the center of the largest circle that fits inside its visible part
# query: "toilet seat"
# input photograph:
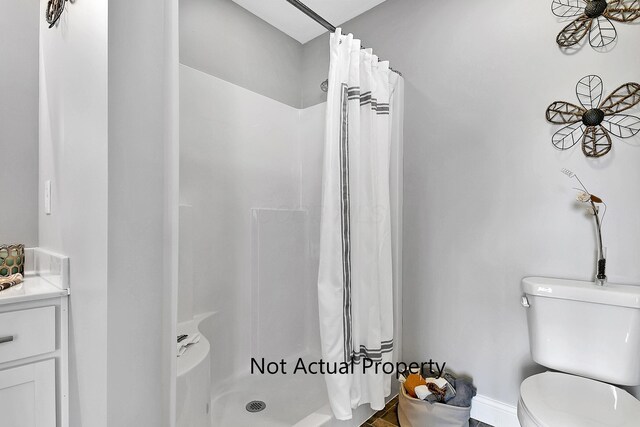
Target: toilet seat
(555, 399)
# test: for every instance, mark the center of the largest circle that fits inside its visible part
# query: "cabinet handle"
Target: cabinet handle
(6, 339)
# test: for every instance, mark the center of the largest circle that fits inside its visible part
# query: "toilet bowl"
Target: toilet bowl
(555, 399)
(591, 334)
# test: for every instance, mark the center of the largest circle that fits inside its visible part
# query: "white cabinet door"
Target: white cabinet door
(28, 395)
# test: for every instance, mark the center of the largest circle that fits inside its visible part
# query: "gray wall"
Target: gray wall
(107, 103)
(222, 39)
(484, 201)
(73, 155)
(19, 122)
(142, 165)
(315, 69)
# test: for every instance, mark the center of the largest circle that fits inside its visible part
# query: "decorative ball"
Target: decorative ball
(595, 8)
(593, 117)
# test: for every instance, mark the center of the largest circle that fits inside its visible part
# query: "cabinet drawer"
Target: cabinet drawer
(27, 333)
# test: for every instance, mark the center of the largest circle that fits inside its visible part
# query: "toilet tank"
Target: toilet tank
(584, 329)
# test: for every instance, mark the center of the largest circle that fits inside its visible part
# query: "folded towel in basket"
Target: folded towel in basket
(465, 390)
(436, 390)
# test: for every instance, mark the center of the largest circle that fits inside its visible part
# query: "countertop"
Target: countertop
(32, 289)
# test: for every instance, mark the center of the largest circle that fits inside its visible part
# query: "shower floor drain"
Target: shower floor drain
(255, 406)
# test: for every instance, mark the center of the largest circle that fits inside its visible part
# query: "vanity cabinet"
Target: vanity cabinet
(34, 356)
(28, 395)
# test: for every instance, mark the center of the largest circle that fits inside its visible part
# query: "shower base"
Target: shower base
(288, 398)
(291, 401)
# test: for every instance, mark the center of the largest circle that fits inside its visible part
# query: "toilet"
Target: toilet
(589, 336)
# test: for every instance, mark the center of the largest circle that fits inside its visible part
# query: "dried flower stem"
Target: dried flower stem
(586, 196)
(597, 217)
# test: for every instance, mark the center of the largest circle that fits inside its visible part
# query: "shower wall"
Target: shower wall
(250, 170)
(250, 173)
(250, 185)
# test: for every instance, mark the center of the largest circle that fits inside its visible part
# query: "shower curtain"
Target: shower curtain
(355, 280)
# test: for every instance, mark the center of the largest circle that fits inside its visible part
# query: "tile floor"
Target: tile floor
(388, 417)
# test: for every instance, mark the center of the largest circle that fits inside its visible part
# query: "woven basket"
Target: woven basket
(414, 412)
(11, 260)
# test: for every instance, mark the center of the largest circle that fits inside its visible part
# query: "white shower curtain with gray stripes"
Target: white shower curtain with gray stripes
(355, 281)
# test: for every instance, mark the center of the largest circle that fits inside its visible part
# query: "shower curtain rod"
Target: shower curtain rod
(320, 20)
(311, 14)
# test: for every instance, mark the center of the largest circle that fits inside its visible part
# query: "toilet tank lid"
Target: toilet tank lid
(578, 290)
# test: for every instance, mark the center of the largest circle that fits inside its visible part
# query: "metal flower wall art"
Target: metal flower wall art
(594, 121)
(593, 17)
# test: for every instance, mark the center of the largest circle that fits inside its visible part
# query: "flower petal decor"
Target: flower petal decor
(595, 120)
(593, 17)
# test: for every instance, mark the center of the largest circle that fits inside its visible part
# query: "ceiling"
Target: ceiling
(291, 21)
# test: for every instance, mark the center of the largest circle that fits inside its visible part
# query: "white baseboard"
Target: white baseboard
(494, 412)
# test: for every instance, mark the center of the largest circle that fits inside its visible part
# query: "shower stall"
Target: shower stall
(251, 167)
